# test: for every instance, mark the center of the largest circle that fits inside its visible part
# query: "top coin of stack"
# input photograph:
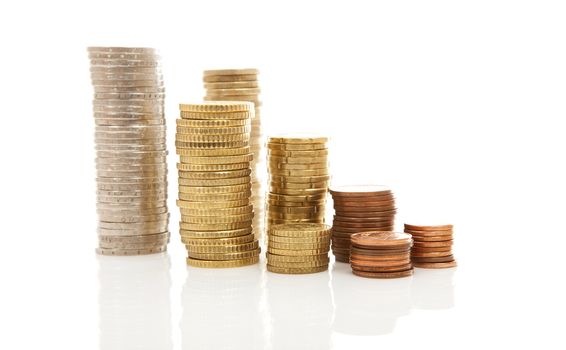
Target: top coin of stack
(381, 254)
(212, 141)
(131, 151)
(242, 85)
(359, 208)
(298, 179)
(432, 247)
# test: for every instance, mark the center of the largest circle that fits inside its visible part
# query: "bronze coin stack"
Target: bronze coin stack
(357, 209)
(298, 179)
(131, 152)
(243, 85)
(432, 247)
(298, 248)
(212, 141)
(381, 254)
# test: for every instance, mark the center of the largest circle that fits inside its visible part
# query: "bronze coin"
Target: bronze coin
(341, 209)
(362, 224)
(417, 244)
(429, 233)
(341, 251)
(339, 234)
(371, 268)
(364, 214)
(383, 274)
(359, 190)
(447, 258)
(341, 241)
(430, 254)
(429, 228)
(431, 249)
(438, 265)
(363, 203)
(381, 239)
(363, 219)
(431, 238)
(362, 229)
(378, 263)
(343, 247)
(342, 258)
(389, 257)
(364, 251)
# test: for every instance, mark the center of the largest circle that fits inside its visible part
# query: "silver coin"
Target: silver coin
(134, 180)
(126, 90)
(142, 134)
(109, 69)
(130, 200)
(121, 49)
(131, 206)
(101, 62)
(132, 161)
(129, 95)
(133, 218)
(130, 252)
(135, 238)
(157, 82)
(127, 122)
(152, 225)
(131, 148)
(126, 232)
(128, 103)
(142, 141)
(136, 129)
(132, 187)
(131, 154)
(125, 77)
(133, 193)
(131, 246)
(123, 56)
(156, 110)
(135, 212)
(128, 174)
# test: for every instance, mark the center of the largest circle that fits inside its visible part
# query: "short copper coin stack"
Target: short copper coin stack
(298, 179)
(128, 109)
(432, 247)
(359, 208)
(381, 254)
(243, 85)
(212, 141)
(298, 248)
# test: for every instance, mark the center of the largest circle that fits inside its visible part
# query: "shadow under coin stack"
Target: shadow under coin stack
(357, 209)
(242, 85)
(298, 179)
(381, 254)
(432, 247)
(212, 141)
(128, 109)
(298, 248)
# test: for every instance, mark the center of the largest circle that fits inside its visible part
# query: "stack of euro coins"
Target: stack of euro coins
(432, 247)
(128, 109)
(298, 179)
(212, 141)
(298, 248)
(359, 208)
(243, 85)
(381, 254)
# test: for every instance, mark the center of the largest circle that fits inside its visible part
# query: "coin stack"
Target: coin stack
(381, 254)
(432, 247)
(131, 152)
(359, 208)
(212, 141)
(298, 248)
(242, 85)
(298, 179)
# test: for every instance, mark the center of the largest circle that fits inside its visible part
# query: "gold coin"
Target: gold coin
(214, 107)
(323, 239)
(214, 131)
(247, 209)
(300, 154)
(215, 189)
(304, 198)
(295, 271)
(297, 252)
(296, 147)
(218, 159)
(213, 123)
(300, 179)
(218, 182)
(300, 230)
(295, 210)
(295, 259)
(211, 145)
(218, 241)
(243, 71)
(296, 160)
(211, 138)
(212, 167)
(232, 85)
(298, 172)
(307, 217)
(286, 166)
(214, 227)
(271, 221)
(297, 138)
(214, 175)
(235, 196)
(223, 264)
(221, 249)
(293, 192)
(199, 234)
(298, 186)
(227, 78)
(242, 116)
(225, 256)
(318, 203)
(214, 152)
(296, 265)
(298, 246)
(225, 219)
(233, 91)
(204, 205)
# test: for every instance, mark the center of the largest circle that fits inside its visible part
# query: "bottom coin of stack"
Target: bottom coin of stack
(298, 248)
(432, 247)
(359, 208)
(381, 254)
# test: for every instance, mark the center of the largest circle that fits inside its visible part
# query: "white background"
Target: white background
(458, 106)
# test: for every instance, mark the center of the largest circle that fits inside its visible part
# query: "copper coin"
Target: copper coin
(397, 251)
(362, 224)
(447, 258)
(340, 240)
(359, 190)
(393, 257)
(362, 229)
(383, 274)
(439, 265)
(431, 238)
(431, 249)
(379, 263)
(429, 228)
(345, 251)
(363, 203)
(371, 268)
(343, 245)
(362, 220)
(342, 258)
(349, 210)
(339, 234)
(365, 214)
(381, 239)
(430, 254)
(429, 233)
(417, 244)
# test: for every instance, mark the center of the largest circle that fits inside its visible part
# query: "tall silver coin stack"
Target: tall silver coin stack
(243, 85)
(131, 152)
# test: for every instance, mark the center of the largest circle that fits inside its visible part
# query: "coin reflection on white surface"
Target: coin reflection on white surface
(433, 289)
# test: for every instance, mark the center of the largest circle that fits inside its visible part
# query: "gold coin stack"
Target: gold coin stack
(242, 85)
(298, 248)
(128, 109)
(212, 141)
(432, 247)
(298, 179)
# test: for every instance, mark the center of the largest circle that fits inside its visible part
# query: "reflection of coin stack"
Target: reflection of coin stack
(242, 85)
(214, 184)
(358, 209)
(298, 179)
(432, 247)
(298, 248)
(381, 254)
(131, 151)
